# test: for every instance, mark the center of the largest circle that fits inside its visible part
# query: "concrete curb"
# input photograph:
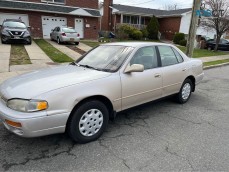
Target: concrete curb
(215, 66)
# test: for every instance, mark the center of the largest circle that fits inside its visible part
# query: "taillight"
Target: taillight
(63, 34)
(78, 35)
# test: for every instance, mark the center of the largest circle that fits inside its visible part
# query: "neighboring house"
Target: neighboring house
(44, 15)
(116, 14)
(170, 21)
(185, 23)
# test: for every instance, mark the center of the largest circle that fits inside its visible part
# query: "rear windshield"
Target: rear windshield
(14, 24)
(69, 30)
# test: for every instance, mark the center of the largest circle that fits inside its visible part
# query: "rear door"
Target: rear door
(174, 70)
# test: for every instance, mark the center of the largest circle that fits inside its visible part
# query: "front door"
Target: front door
(142, 87)
(79, 27)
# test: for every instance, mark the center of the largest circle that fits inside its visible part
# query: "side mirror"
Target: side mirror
(134, 68)
(52, 30)
(29, 27)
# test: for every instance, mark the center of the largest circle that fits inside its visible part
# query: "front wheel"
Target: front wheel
(185, 92)
(88, 122)
(77, 43)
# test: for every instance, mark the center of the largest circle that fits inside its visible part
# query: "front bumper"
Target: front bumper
(33, 124)
(8, 38)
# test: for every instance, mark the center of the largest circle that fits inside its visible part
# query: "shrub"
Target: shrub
(153, 28)
(178, 37)
(145, 33)
(183, 42)
(136, 35)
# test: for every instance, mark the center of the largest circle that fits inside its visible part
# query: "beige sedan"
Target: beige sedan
(81, 97)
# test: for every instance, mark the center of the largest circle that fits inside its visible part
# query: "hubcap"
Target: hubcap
(91, 122)
(186, 91)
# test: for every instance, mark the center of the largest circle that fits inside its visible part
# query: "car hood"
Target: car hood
(36, 83)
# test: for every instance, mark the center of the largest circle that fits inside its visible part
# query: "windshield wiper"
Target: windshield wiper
(89, 67)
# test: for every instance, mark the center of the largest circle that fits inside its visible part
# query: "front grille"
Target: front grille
(16, 33)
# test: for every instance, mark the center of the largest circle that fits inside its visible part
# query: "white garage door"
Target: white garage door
(23, 17)
(49, 23)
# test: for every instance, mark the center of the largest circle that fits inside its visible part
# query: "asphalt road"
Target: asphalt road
(159, 136)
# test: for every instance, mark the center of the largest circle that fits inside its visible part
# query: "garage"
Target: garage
(49, 23)
(24, 17)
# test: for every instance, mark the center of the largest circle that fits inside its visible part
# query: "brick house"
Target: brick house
(43, 15)
(116, 14)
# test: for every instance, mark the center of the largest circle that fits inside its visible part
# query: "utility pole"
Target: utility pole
(193, 28)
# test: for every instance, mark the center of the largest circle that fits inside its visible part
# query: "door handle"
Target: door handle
(157, 75)
(184, 69)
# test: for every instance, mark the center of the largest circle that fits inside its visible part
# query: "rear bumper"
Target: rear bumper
(66, 39)
(199, 78)
(33, 124)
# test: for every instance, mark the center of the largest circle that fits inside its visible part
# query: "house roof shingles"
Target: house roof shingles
(44, 7)
(149, 11)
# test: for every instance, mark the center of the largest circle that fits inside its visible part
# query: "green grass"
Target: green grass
(53, 53)
(216, 62)
(203, 52)
(91, 43)
(19, 55)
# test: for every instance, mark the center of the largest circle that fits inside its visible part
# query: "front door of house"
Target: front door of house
(79, 26)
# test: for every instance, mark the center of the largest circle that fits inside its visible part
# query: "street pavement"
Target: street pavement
(158, 136)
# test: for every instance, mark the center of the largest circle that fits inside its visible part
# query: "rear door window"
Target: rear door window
(168, 57)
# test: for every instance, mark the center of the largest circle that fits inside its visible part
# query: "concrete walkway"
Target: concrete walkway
(74, 55)
(84, 47)
(214, 58)
(4, 57)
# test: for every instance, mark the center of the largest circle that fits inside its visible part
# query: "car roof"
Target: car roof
(137, 44)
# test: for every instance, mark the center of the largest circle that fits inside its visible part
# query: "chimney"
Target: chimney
(107, 15)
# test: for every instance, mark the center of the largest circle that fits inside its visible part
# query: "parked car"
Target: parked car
(15, 30)
(65, 34)
(82, 96)
(223, 44)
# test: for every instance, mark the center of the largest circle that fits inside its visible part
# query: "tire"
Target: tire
(209, 48)
(58, 40)
(3, 42)
(30, 41)
(185, 92)
(77, 43)
(88, 122)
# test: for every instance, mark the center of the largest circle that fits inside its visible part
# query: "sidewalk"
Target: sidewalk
(214, 58)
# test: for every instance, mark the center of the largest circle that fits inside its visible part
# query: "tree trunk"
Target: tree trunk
(217, 42)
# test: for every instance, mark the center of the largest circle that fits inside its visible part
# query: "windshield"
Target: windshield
(106, 57)
(69, 30)
(14, 24)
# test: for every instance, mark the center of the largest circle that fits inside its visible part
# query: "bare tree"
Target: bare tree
(220, 18)
(171, 7)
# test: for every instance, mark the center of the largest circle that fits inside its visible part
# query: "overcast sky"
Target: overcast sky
(156, 4)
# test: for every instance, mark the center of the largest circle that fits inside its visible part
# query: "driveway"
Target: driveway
(159, 136)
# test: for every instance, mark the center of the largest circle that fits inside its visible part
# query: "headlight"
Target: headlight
(27, 33)
(5, 32)
(27, 105)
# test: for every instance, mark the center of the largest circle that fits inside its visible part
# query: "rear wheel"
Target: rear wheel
(185, 92)
(88, 122)
(58, 40)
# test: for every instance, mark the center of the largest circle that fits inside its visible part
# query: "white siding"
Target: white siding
(185, 24)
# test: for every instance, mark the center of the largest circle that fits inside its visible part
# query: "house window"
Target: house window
(54, 1)
(126, 19)
(131, 19)
(143, 20)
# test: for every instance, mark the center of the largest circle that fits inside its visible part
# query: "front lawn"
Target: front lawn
(19, 55)
(203, 52)
(52, 52)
